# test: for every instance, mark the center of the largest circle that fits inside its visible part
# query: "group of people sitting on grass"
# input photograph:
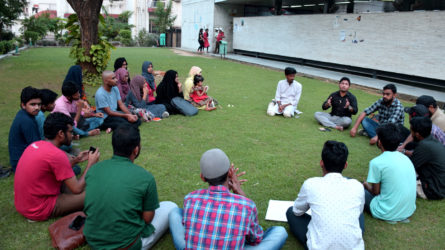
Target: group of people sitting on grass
(118, 101)
(121, 202)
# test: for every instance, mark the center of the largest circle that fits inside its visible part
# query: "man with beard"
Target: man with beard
(343, 103)
(287, 95)
(42, 170)
(390, 111)
(436, 114)
(428, 160)
(121, 202)
(24, 129)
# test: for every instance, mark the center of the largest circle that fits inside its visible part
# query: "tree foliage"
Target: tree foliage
(163, 20)
(10, 10)
(36, 28)
(113, 26)
(97, 55)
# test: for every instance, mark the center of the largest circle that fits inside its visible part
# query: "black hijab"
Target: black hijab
(168, 88)
(75, 75)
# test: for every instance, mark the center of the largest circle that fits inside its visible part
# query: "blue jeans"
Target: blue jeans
(156, 109)
(273, 238)
(298, 225)
(184, 107)
(92, 122)
(369, 125)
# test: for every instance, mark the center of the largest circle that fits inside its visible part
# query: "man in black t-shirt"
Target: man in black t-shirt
(344, 105)
(428, 159)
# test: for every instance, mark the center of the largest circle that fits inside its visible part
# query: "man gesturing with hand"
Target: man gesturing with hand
(215, 218)
(344, 105)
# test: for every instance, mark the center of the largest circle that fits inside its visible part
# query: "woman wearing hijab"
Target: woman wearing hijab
(188, 84)
(122, 82)
(138, 95)
(147, 73)
(75, 75)
(169, 93)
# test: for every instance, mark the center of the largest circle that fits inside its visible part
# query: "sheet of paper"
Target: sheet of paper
(276, 210)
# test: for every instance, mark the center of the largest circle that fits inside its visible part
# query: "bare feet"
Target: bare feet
(94, 132)
(373, 140)
(210, 108)
(339, 128)
(109, 130)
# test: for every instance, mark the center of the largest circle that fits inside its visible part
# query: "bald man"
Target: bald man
(108, 100)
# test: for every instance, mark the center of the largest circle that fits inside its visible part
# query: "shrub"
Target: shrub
(125, 37)
(6, 35)
(146, 39)
(31, 36)
(20, 41)
(46, 43)
(6, 46)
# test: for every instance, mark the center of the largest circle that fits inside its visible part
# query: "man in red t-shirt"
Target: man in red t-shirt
(43, 168)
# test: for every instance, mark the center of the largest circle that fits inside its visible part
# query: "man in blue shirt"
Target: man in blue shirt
(108, 100)
(48, 98)
(24, 129)
(390, 189)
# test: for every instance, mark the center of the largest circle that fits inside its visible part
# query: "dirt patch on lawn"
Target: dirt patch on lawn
(190, 53)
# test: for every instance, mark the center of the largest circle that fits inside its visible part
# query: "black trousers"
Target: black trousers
(298, 225)
(114, 122)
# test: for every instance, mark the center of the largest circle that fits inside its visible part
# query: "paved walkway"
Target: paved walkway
(335, 76)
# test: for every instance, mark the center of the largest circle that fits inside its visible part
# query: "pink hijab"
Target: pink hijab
(136, 85)
(121, 83)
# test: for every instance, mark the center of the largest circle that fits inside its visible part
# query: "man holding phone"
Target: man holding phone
(121, 202)
(42, 170)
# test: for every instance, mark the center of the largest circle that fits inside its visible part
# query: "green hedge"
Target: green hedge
(6, 46)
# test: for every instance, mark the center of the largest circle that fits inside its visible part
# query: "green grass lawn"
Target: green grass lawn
(278, 154)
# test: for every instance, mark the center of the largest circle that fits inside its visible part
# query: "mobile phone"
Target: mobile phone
(92, 149)
(77, 223)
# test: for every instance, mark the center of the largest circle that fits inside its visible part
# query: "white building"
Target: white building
(143, 11)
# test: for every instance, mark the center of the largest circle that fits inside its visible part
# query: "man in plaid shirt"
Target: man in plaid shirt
(390, 111)
(215, 218)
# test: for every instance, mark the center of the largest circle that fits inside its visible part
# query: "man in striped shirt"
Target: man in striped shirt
(215, 218)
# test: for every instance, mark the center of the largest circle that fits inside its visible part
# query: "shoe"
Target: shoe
(362, 132)
(165, 115)
(5, 172)
(322, 129)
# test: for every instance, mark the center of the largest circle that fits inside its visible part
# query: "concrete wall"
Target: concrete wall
(177, 11)
(224, 14)
(196, 14)
(410, 43)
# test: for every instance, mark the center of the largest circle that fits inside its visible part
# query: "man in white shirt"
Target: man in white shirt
(336, 204)
(287, 95)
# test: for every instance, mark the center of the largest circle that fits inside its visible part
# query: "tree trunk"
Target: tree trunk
(88, 12)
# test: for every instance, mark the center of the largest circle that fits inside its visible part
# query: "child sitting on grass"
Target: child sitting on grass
(199, 95)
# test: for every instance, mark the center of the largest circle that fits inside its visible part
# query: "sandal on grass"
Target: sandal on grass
(324, 129)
